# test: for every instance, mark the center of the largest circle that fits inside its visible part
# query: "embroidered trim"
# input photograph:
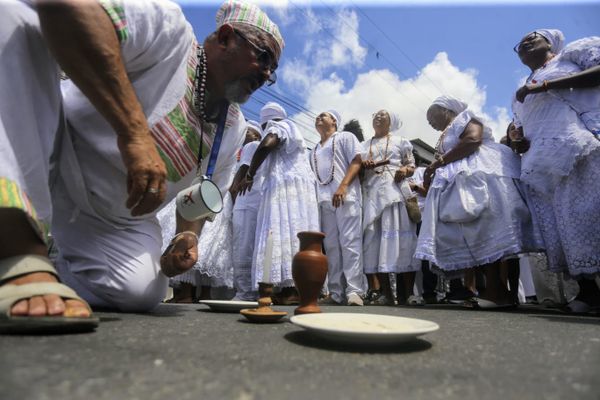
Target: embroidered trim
(11, 196)
(116, 13)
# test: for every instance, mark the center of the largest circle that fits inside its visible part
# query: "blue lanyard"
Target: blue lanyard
(214, 151)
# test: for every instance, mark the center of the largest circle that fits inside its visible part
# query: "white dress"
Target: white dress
(390, 236)
(289, 205)
(504, 226)
(562, 166)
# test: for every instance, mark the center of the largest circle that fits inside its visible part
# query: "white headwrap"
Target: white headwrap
(450, 103)
(254, 125)
(555, 37)
(395, 121)
(337, 117)
(270, 111)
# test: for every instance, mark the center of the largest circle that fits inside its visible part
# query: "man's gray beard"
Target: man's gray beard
(235, 92)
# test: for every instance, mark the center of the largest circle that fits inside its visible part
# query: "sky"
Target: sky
(358, 57)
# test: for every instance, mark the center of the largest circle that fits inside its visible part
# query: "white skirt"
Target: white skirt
(504, 228)
(389, 242)
(569, 220)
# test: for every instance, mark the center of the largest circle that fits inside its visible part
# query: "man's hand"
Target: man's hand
(146, 173)
(180, 255)
(339, 196)
(368, 164)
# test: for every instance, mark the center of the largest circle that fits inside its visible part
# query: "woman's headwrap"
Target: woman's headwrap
(555, 37)
(395, 121)
(270, 111)
(337, 117)
(450, 103)
(255, 126)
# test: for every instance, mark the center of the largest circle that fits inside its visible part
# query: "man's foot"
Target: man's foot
(287, 297)
(47, 305)
(328, 301)
(184, 294)
(372, 296)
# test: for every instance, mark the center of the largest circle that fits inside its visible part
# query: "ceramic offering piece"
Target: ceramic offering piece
(309, 270)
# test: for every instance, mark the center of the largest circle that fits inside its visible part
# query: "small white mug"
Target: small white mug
(202, 200)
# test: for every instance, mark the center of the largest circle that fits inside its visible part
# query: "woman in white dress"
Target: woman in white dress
(475, 213)
(389, 236)
(288, 201)
(558, 110)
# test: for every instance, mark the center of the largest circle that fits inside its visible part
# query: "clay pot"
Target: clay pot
(309, 269)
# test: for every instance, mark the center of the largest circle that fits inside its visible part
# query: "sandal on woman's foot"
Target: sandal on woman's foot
(10, 294)
(477, 303)
(580, 307)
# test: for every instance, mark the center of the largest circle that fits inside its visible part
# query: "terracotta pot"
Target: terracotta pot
(309, 269)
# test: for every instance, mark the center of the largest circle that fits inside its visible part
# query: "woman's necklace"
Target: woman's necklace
(439, 146)
(387, 144)
(200, 86)
(330, 179)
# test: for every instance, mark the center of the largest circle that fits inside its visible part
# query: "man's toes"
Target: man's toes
(54, 304)
(37, 306)
(76, 308)
(20, 308)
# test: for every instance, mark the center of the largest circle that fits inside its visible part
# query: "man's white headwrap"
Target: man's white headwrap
(270, 111)
(245, 13)
(555, 37)
(337, 117)
(255, 126)
(450, 103)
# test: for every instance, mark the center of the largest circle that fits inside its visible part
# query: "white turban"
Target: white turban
(270, 111)
(450, 103)
(337, 117)
(555, 37)
(254, 125)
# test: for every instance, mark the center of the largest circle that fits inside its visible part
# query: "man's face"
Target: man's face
(253, 61)
(324, 121)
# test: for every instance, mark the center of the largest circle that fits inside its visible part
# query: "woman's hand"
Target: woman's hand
(368, 164)
(401, 173)
(245, 186)
(527, 90)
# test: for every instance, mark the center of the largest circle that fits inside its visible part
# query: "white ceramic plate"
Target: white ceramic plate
(228, 305)
(364, 328)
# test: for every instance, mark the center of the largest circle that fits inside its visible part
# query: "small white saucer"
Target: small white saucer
(229, 305)
(371, 329)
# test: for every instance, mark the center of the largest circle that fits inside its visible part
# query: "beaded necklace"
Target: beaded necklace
(439, 146)
(200, 87)
(387, 144)
(316, 169)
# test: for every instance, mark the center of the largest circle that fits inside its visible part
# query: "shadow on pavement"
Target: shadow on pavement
(304, 338)
(572, 319)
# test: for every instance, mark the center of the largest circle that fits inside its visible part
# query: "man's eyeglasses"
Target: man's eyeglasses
(530, 38)
(264, 58)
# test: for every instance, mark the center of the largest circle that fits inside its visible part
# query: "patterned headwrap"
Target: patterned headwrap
(254, 125)
(450, 103)
(555, 37)
(270, 111)
(240, 12)
(337, 117)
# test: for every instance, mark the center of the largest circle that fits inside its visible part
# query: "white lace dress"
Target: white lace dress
(288, 206)
(562, 166)
(390, 236)
(503, 228)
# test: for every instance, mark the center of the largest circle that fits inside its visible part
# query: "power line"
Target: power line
(397, 47)
(343, 44)
(380, 54)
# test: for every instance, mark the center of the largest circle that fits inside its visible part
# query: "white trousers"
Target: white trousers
(108, 267)
(244, 233)
(343, 245)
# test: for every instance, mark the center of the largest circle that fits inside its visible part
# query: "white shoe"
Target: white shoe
(415, 301)
(354, 300)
